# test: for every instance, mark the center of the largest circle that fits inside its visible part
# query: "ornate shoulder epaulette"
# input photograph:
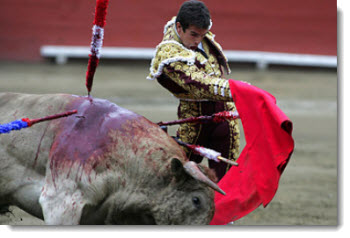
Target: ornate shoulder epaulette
(168, 52)
(169, 23)
(210, 36)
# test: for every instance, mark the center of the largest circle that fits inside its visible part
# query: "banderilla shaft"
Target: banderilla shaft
(217, 117)
(51, 117)
(26, 122)
(205, 152)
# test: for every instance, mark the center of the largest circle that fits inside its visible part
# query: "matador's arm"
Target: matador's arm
(198, 83)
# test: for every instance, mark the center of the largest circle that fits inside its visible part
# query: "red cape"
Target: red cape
(269, 145)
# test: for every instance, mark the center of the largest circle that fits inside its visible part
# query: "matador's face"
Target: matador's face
(192, 36)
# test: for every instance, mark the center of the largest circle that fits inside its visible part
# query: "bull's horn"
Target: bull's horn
(192, 169)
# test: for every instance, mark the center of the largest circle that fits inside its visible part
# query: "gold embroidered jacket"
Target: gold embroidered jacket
(195, 80)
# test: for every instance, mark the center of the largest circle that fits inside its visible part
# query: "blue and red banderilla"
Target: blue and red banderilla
(26, 122)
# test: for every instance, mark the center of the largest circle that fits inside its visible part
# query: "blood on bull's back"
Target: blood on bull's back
(104, 136)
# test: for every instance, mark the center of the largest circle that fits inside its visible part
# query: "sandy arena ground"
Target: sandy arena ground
(308, 193)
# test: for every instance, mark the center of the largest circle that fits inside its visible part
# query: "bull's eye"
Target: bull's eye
(196, 202)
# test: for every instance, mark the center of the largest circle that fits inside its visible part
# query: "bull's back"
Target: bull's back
(77, 137)
(105, 137)
(101, 136)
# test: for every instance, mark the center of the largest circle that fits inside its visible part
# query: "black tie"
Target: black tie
(203, 53)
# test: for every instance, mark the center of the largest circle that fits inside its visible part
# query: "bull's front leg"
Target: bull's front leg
(62, 203)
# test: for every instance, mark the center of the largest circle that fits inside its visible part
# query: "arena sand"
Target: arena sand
(308, 193)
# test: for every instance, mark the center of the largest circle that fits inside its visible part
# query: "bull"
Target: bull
(104, 165)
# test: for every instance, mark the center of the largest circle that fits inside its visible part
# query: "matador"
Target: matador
(194, 73)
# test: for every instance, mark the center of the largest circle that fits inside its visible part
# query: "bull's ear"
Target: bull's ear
(177, 168)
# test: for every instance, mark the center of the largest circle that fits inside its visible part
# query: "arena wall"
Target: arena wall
(288, 26)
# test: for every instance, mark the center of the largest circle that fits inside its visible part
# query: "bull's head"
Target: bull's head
(191, 200)
(188, 199)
